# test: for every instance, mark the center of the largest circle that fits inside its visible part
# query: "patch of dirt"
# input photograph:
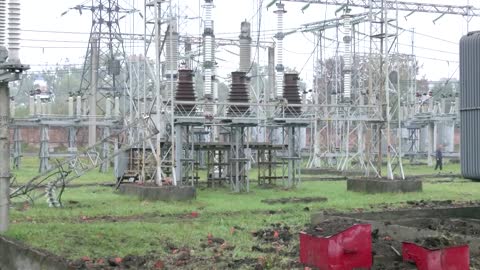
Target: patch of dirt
(275, 233)
(436, 242)
(458, 226)
(127, 262)
(295, 200)
(330, 227)
(280, 245)
(425, 204)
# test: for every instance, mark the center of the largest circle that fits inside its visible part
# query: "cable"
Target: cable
(258, 36)
(310, 57)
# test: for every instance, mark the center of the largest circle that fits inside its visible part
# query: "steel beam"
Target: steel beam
(469, 11)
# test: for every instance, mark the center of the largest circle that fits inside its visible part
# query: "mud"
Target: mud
(330, 227)
(437, 242)
(295, 200)
(458, 226)
(275, 233)
(425, 204)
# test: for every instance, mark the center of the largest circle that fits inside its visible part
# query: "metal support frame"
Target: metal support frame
(71, 168)
(106, 45)
(239, 178)
(9, 71)
(44, 153)
(217, 164)
(468, 11)
(185, 156)
(72, 140)
(17, 148)
(292, 156)
(105, 153)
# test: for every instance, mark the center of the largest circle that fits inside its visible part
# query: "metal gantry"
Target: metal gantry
(356, 115)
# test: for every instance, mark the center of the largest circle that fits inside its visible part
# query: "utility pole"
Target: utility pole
(9, 71)
(4, 153)
(92, 127)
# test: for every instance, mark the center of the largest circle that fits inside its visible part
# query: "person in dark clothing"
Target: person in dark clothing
(439, 157)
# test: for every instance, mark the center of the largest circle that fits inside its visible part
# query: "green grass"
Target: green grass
(146, 227)
(86, 227)
(29, 169)
(424, 169)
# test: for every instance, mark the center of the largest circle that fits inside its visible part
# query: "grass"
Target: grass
(29, 169)
(86, 227)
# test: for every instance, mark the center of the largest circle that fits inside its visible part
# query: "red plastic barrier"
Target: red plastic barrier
(451, 258)
(346, 250)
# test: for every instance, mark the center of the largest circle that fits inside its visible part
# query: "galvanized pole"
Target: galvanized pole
(9, 71)
(92, 128)
(4, 155)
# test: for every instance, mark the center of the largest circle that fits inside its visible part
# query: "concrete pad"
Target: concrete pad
(156, 193)
(317, 171)
(372, 186)
(15, 255)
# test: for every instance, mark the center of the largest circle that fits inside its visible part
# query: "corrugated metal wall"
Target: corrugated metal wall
(470, 105)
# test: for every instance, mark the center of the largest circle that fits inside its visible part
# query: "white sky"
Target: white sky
(48, 48)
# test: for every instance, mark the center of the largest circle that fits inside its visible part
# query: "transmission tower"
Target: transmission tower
(104, 73)
(104, 66)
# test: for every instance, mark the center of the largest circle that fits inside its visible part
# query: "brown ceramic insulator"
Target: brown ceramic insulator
(291, 91)
(185, 91)
(239, 93)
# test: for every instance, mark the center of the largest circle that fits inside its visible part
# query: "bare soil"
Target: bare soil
(276, 246)
(459, 226)
(295, 200)
(425, 204)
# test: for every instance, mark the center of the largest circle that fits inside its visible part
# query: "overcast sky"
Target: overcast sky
(49, 38)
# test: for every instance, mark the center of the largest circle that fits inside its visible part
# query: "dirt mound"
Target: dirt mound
(436, 242)
(330, 227)
(295, 200)
(451, 225)
(275, 233)
(425, 204)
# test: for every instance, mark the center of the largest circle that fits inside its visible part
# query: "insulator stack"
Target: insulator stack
(14, 30)
(171, 58)
(291, 93)
(245, 47)
(208, 39)
(185, 91)
(188, 53)
(239, 93)
(347, 39)
(279, 50)
(3, 22)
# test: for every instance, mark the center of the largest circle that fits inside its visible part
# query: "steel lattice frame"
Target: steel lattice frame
(106, 36)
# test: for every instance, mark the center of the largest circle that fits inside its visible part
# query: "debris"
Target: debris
(396, 251)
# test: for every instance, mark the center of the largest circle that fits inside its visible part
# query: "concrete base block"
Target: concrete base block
(329, 171)
(372, 186)
(15, 255)
(155, 193)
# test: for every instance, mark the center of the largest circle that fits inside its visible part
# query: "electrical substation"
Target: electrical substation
(155, 112)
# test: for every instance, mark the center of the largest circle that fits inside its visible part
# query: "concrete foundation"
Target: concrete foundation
(155, 193)
(329, 171)
(14, 255)
(372, 186)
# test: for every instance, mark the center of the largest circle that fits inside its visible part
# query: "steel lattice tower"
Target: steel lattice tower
(104, 66)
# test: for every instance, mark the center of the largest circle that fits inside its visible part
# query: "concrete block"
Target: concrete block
(156, 193)
(372, 186)
(15, 255)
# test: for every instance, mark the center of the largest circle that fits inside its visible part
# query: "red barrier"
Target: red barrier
(450, 258)
(346, 250)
